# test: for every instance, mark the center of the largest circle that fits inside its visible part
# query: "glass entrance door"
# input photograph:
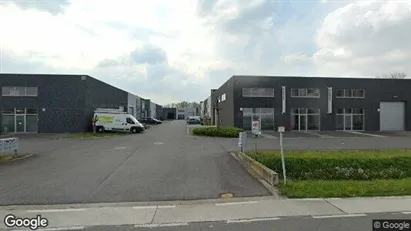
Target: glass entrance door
(20, 123)
(302, 123)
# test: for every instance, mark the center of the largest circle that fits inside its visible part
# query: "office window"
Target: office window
(223, 97)
(350, 93)
(258, 92)
(19, 91)
(305, 92)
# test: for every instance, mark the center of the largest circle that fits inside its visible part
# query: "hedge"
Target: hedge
(230, 132)
(340, 165)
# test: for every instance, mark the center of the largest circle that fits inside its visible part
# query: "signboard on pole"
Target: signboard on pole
(330, 100)
(242, 141)
(256, 127)
(281, 129)
(283, 99)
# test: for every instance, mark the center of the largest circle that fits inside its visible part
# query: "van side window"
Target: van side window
(129, 121)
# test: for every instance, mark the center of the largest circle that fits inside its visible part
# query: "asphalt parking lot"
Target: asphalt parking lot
(163, 163)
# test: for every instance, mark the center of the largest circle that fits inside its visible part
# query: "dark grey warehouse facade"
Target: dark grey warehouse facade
(61, 103)
(314, 103)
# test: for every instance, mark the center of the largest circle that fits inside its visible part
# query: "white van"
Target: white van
(115, 120)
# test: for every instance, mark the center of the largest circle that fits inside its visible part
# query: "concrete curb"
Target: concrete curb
(19, 158)
(267, 177)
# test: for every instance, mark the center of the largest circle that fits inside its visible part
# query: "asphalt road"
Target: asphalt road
(164, 163)
(364, 223)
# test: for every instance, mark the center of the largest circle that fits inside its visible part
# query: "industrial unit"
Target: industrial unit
(61, 103)
(312, 103)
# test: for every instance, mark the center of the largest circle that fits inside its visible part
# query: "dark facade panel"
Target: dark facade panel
(376, 91)
(59, 103)
(169, 113)
(159, 112)
(65, 103)
(147, 107)
(102, 95)
(226, 107)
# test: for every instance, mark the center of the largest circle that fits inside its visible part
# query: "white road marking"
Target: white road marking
(166, 206)
(366, 134)
(252, 220)
(158, 143)
(54, 210)
(236, 203)
(54, 229)
(120, 148)
(406, 213)
(145, 207)
(160, 225)
(342, 215)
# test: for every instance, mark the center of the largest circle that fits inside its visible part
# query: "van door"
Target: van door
(119, 123)
(130, 123)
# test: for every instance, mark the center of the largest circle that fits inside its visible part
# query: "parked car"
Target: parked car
(193, 121)
(151, 121)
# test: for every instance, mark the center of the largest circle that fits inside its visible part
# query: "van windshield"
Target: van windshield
(134, 119)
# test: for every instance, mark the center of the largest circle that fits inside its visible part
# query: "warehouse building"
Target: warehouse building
(314, 103)
(61, 103)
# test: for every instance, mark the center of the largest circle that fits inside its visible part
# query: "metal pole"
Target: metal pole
(282, 157)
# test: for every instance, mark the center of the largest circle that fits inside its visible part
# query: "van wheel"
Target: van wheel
(134, 130)
(100, 129)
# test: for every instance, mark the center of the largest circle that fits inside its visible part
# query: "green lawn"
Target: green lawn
(7, 157)
(341, 173)
(94, 136)
(345, 188)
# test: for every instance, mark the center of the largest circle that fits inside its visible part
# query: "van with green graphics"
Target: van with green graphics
(116, 120)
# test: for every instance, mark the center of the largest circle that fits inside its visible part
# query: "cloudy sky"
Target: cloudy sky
(173, 50)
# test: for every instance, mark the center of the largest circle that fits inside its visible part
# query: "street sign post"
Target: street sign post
(242, 141)
(281, 130)
(256, 127)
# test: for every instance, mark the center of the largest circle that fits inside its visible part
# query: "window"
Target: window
(19, 120)
(31, 91)
(350, 119)
(223, 97)
(303, 119)
(180, 110)
(305, 92)
(258, 92)
(350, 93)
(129, 121)
(19, 91)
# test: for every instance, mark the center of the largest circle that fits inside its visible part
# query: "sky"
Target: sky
(171, 51)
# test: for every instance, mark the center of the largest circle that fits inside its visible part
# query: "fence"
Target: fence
(9, 145)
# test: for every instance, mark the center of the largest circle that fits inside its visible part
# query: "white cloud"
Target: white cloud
(366, 38)
(178, 50)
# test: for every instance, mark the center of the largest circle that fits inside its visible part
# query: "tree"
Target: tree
(183, 104)
(394, 75)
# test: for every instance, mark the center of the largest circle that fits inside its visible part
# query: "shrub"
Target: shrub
(230, 132)
(329, 165)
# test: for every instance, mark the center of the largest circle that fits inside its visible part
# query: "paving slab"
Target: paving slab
(89, 217)
(372, 205)
(271, 208)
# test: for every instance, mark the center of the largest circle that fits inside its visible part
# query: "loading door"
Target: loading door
(392, 116)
